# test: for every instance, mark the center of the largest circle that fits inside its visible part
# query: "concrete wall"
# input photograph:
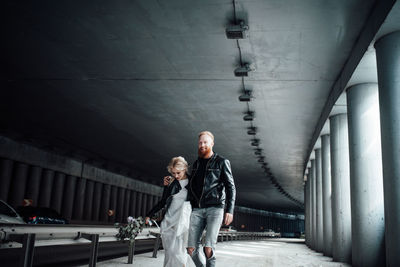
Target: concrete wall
(78, 191)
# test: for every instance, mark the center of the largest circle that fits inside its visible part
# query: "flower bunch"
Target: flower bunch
(131, 229)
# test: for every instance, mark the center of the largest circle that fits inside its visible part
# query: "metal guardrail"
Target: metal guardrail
(29, 237)
(231, 236)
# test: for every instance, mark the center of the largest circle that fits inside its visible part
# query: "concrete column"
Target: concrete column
(340, 174)
(132, 208)
(318, 179)
(127, 206)
(33, 184)
(309, 224)
(57, 191)
(79, 198)
(366, 182)
(6, 168)
(46, 185)
(113, 203)
(97, 201)
(18, 185)
(120, 205)
(388, 53)
(313, 207)
(306, 212)
(69, 197)
(105, 202)
(326, 194)
(88, 203)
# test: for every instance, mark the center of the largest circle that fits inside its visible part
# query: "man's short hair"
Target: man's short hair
(207, 133)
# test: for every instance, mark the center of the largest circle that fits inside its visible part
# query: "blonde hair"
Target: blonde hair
(207, 133)
(178, 163)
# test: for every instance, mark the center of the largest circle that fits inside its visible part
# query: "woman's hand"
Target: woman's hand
(147, 219)
(167, 179)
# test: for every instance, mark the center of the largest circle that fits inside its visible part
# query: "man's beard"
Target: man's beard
(206, 153)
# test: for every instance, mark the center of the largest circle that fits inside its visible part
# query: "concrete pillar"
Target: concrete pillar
(133, 209)
(105, 202)
(97, 201)
(366, 182)
(6, 168)
(306, 211)
(33, 185)
(68, 197)
(88, 203)
(79, 198)
(46, 186)
(318, 179)
(127, 206)
(340, 174)
(388, 53)
(57, 191)
(113, 203)
(18, 184)
(120, 205)
(313, 207)
(309, 223)
(326, 194)
(138, 208)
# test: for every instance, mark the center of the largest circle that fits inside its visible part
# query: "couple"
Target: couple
(195, 202)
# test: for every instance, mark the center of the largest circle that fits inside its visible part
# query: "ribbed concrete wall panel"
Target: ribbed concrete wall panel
(77, 213)
(46, 186)
(88, 203)
(18, 184)
(33, 184)
(6, 168)
(68, 197)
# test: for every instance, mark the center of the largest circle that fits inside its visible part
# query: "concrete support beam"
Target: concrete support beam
(340, 174)
(320, 219)
(388, 53)
(326, 194)
(313, 207)
(366, 183)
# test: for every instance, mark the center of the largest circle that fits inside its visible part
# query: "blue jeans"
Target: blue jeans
(200, 219)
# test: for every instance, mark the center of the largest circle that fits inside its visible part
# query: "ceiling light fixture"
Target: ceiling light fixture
(249, 116)
(246, 96)
(255, 142)
(251, 130)
(243, 71)
(238, 31)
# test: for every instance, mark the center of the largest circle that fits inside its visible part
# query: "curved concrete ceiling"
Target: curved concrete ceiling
(129, 84)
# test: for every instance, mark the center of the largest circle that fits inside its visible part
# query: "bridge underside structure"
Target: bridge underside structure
(97, 97)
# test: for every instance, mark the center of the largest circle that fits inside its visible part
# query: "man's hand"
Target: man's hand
(228, 218)
(166, 180)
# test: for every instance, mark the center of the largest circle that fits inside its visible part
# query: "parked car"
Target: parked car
(8, 214)
(272, 233)
(40, 215)
(229, 228)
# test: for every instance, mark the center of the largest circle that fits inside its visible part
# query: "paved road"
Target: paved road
(272, 252)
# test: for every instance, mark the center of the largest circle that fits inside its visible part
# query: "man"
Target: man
(211, 189)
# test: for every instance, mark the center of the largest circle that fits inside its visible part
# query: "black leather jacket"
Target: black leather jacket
(166, 198)
(219, 187)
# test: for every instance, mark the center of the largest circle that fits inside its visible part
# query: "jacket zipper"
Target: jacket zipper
(204, 180)
(191, 188)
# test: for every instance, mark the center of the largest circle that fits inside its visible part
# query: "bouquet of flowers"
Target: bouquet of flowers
(130, 230)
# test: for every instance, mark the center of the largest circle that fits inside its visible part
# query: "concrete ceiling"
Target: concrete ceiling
(128, 84)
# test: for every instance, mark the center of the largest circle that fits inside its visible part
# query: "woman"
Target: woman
(175, 225)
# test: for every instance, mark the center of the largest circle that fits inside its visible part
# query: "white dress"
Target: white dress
(175, 227)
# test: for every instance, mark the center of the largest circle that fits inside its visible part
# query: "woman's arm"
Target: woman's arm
(161, 203)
